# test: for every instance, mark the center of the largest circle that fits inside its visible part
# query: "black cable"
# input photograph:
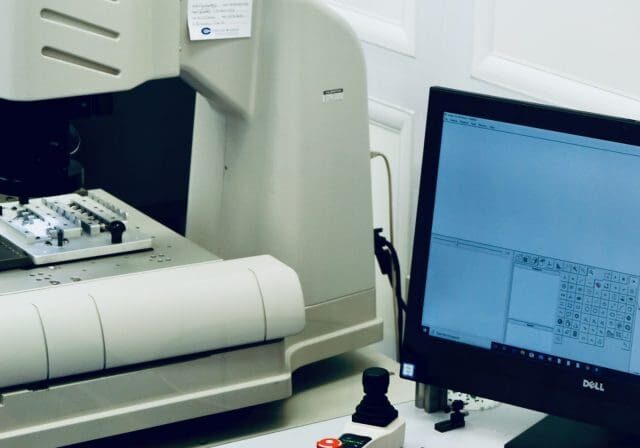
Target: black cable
(402, 307)
(396, 267)
(390, 266)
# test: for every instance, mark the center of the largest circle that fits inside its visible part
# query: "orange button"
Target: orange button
(329, 443)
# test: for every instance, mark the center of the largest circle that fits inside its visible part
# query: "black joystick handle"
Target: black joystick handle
(375, 408)
(375, 380)
(117, 228)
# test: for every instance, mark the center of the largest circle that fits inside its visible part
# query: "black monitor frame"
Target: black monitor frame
(518, 380)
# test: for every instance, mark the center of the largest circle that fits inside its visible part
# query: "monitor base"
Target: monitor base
(556, 432)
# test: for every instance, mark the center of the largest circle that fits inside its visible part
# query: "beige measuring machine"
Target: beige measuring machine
(111, 322)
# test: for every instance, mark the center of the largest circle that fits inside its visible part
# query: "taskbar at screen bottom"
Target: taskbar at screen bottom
(530, 355)
(546, 358)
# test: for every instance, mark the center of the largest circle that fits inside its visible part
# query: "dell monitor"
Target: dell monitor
(526, 261)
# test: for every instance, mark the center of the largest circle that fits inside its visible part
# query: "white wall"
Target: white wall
(575, 53)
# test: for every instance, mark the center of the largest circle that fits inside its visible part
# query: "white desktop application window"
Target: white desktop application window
(536, 242)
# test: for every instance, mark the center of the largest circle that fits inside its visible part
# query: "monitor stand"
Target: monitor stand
(556, 432)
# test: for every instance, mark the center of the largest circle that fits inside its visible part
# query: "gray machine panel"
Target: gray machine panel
(69, 227)
(159, 247)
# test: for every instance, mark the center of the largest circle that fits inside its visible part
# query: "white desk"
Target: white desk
(485, 429)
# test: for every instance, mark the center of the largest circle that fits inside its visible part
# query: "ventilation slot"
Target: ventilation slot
(74, 22)
(69, 58)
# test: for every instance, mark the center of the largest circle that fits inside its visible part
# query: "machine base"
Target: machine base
(92, 408)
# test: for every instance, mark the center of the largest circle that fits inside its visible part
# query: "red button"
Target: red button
(329, 443)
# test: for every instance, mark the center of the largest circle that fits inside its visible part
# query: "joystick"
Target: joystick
(375, 408)
(375, 424)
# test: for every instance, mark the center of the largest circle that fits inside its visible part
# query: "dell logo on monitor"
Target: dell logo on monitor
(594, 385)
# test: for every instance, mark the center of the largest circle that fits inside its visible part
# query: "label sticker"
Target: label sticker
(408, 370)
(220, 19)
(332, 96)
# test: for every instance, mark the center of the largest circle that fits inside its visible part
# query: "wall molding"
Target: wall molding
(399, 37)
(535, 82)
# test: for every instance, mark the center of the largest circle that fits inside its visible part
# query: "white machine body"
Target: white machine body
(61, 48)
(280, 166)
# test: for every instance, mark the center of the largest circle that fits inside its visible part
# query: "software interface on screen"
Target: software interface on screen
(535, 244)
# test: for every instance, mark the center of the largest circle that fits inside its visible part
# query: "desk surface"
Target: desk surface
(485, 429)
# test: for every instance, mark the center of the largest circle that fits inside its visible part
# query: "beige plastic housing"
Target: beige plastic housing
(130, 319)
(285, 170)
(62, 48)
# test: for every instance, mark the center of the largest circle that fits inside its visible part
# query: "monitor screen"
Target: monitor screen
(526, 263)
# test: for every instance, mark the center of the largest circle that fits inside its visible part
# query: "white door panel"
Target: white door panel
(579, 56)
(388, 24)
(382, 9)
(578, 39)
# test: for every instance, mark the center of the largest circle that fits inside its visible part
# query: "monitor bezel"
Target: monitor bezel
(517, 380)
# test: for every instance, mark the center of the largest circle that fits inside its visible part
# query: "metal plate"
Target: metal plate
(168, 249)
(69, 227)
